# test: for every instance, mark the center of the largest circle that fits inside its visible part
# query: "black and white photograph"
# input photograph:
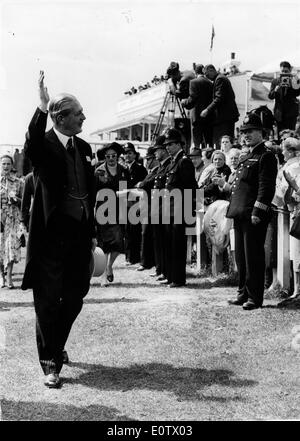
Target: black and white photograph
(150, 214)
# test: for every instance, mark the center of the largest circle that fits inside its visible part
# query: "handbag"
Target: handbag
(295, 228)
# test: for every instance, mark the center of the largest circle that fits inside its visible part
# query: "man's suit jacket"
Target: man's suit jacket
(253, 189)
(286, 105)
(199, 99)
(223, 106)
(47, 155)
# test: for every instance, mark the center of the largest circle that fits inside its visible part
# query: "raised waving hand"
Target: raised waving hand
(43, 92)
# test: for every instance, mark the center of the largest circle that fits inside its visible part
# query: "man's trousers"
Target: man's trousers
(250, 259)
(63, 281)
(175, 253)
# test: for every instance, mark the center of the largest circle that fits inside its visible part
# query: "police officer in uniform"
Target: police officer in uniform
(137, 173)
(147, 248)
(180, 175)
(250, 207)
(164, 159)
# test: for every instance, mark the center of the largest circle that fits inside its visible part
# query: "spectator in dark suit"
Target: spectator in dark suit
(286, 107)
(200, 97)
(250, 206)
(223, 107)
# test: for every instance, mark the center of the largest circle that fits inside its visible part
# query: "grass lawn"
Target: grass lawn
(140, 351)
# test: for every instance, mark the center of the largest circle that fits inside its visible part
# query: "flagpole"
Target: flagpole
(212, 42)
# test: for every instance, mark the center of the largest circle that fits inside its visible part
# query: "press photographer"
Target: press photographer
(284, 90)
(179, 81)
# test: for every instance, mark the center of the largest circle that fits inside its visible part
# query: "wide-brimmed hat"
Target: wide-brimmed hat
(173, 135)
(251, 121)
(97, 263)
(113, 146)
(159, 143)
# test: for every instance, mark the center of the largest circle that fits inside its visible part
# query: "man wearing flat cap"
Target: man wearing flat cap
(180, 175)
(250, 207)
(137, 173)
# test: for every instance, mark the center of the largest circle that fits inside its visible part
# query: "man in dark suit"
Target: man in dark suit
(180, 176)
(199, 99)
(252, 192)
(137, 173)
(61, 230)
(286, 107)
(223, 108)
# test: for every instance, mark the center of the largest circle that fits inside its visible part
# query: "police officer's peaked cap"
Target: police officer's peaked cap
(173, 135)
(251, 121)
(129, 147)
(195, 152)
(159, 143)
(150, 153)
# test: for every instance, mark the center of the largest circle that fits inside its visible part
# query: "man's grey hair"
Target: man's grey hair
(61, 105)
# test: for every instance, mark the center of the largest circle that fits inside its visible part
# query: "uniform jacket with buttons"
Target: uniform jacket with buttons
(180, 174)
(47, 155)
(137, 173)
(253, 189)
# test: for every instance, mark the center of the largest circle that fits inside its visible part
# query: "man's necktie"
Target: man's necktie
(70, 148)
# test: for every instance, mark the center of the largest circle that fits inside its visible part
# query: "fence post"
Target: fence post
(283, 249)
(199, 226)
(216, 262)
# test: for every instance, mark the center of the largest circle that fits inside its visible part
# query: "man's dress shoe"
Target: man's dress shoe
(249, 306)
(52, 381)
(235, 302)
(164, 282)
(65, 357)
(141, 268)
(176, 285)
(161, 277)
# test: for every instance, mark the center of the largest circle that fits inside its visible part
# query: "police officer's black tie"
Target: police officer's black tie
(70, 148)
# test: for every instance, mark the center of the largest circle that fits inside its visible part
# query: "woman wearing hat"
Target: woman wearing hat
(110, 236)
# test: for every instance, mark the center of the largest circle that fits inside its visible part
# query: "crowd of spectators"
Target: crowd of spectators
(154, 82)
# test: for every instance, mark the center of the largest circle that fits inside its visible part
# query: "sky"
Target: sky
(97, 50)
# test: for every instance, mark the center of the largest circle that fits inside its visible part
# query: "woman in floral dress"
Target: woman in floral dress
(10, 246)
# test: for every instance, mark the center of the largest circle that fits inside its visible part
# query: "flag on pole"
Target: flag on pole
(212, 37)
